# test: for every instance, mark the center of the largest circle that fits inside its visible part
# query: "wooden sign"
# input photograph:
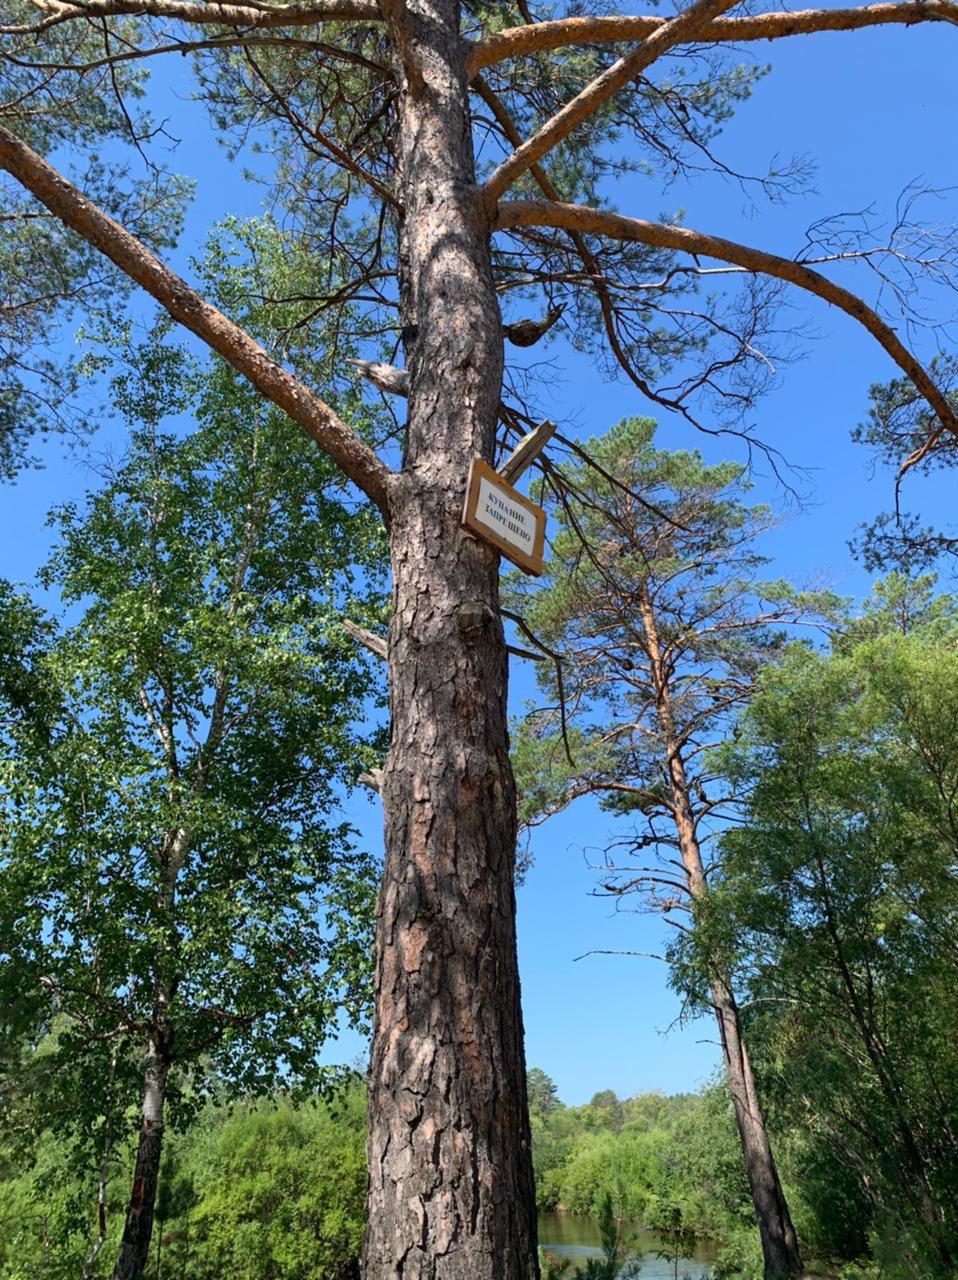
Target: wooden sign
(505, 518)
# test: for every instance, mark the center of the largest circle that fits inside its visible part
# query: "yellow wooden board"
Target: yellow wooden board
(500, 515)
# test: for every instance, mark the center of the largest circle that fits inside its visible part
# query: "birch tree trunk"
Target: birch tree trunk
(138, 1226)
(450, 1192)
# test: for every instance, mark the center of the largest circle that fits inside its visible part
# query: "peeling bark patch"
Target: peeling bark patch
(414, 942)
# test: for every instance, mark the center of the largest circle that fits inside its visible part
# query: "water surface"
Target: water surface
(576, 1236)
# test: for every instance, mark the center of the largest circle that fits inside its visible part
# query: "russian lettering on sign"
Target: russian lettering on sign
(503, 517)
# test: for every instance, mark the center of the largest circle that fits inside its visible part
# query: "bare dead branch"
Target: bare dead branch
(648, 955)
(518, 652)
(524, 213)
(384, 377)
(359, 463)
(368, 639)
(557, 661)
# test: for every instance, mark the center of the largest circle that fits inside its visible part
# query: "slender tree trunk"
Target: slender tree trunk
(100, 1241)
(138, 1227)
(779, 1243)
(450, 1193)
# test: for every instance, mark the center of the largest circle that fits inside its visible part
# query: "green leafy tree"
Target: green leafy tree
(609, 1107)
(543, 1092)
(252, 1189)
(839, 897)
(277, 1191)
(554, 1130)
(676, 1238)
(897, 427)
(182, 904)
(703, 1175)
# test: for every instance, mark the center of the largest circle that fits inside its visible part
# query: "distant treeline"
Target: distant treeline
(272, 1190)
(275, 1190)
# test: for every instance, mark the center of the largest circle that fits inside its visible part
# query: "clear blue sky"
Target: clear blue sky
(874, 110)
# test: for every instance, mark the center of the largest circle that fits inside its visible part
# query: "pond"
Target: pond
(576, 1236)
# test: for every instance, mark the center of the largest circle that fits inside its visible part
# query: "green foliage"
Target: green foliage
(267, 1189)
(38, 1216)
(616, 1262)
(740, 1257)
(704, 1177)
(661, 1155)
(654, 561)
(48, 275)
(279, 1192)
(837, 905)
(677, 1239)
(173, 858)
(551, 1267)
(542, 1092)
(900, 425)
(625, 1168)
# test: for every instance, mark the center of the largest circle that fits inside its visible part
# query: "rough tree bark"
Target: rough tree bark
(138, 1227)
(779, 1243)
(450, 1178)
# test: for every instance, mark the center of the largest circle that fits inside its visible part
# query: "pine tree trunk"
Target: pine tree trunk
(779, 1243)
(138, 1227)
(450, 1192)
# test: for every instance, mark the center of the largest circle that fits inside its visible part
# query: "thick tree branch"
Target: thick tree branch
(527, 213)
(247, 15)
(562, 32)
(678, 29)
(359, 463)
